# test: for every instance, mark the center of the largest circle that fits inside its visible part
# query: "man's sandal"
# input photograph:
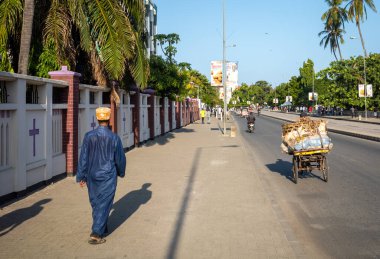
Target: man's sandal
(96, 240)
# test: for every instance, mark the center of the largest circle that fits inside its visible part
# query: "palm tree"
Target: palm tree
(335, 15)
(357, 11)
(334, 19)
(26, 36)
(110, 32)
(333, 36)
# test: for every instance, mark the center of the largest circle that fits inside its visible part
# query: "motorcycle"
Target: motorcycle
(251, 127)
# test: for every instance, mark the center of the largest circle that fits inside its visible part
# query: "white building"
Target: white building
(151, 26)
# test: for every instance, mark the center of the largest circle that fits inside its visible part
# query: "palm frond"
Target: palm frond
(10, 16)
(113, 33)
(77, 9)
(135, 10)
(97, 68)
(139, 66)
(58, 30)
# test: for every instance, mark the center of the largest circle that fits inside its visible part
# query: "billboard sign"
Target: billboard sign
(232, 74)
(289, 99)
(313, 96)
(362, 92)
(369, 91)
(217, 74)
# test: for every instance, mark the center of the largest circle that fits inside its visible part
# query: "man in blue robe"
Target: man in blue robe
(101, 160)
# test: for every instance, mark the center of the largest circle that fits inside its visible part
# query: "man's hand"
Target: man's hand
(82, 183)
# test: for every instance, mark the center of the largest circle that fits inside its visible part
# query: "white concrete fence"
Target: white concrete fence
(34, 129)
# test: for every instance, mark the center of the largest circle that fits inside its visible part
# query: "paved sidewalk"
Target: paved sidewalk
(369, 131)
(190, 194)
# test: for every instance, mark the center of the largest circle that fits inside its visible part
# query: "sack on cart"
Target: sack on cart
(305, 134)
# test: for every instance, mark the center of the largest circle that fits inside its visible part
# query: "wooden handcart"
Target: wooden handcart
(306, 161)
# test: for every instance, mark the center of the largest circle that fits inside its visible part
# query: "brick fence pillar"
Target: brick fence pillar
(70, 127)
(113, 119)
(178, 114)
(135, 99)
(170, 113)
(187, 105)
(151, 115)
(184, 113)
(162, 116)
(196, 104)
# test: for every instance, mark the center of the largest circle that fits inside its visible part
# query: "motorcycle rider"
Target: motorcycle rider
(251, 118)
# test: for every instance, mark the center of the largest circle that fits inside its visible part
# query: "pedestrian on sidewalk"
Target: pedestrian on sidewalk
(203, 114)
(352, 112)
(101, 160)
(208, 115)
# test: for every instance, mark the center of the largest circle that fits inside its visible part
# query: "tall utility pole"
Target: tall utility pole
(365, 78)
(365, 86)
(224, 73)
(314, 101)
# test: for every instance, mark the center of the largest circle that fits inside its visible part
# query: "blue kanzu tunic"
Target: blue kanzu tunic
(101, 160)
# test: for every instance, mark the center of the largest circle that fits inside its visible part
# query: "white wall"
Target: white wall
(27, 144)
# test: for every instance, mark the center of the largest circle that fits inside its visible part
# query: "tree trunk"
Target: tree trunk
(361, 37)
(26, 36)
(340, 53)
(336, 58)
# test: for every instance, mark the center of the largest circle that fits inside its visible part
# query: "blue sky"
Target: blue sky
(273, 38)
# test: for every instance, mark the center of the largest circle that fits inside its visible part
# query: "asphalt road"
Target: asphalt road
(340, 218)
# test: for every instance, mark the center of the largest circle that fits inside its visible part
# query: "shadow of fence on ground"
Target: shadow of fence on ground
(164, 139)
(15, 218)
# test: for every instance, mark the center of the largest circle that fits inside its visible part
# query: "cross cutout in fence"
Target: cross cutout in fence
(33, 132)
(124, 119)
(93, 124)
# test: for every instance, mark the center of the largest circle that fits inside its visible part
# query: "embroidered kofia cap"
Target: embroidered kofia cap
(103, 114)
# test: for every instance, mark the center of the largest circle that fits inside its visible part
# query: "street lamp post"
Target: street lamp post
(314, 100)
(365, 88)
(365, 80)
(224, 73)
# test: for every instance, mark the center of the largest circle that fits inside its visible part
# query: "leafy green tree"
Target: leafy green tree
(199, 82)
(357, 11)
(341, 80)
(166, 78)
(170, 39)
(307, 79)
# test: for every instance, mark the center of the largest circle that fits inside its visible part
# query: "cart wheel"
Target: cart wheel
(295, 169)
(325, 169)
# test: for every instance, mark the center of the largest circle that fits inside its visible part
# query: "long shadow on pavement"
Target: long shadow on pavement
(164, 139)
(15, 218)
(127, 205)
(283, 168)
(185, 203)
(181, 216)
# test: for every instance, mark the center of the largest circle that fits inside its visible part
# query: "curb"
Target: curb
(342, 132)
(339, 119)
